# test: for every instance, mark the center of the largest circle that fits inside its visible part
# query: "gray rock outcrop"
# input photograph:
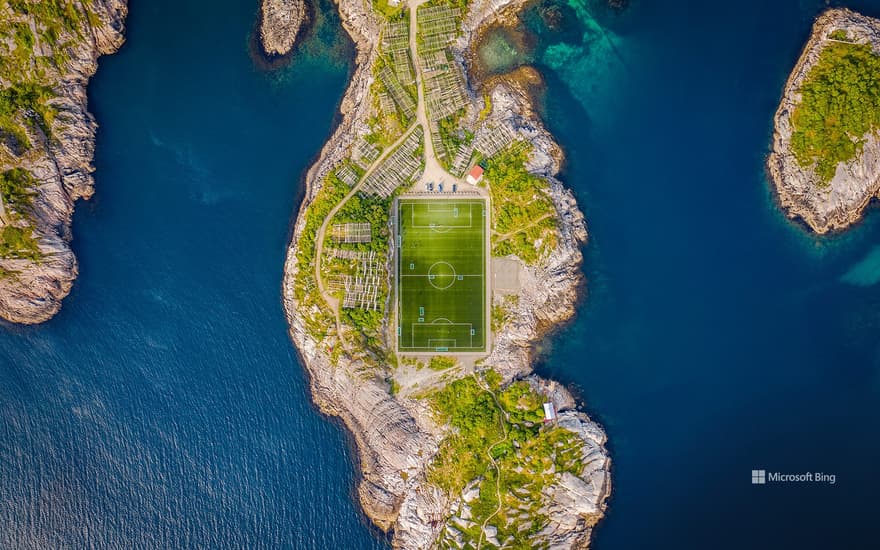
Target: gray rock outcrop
(62, 165)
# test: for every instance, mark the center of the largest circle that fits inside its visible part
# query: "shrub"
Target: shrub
(18, 243)
(840, 105)
(439, 362)
(16, 189)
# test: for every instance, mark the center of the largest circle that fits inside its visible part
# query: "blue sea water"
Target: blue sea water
(165, 407)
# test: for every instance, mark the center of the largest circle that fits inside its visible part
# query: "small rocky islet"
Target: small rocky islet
(280, 22)
(825, 156)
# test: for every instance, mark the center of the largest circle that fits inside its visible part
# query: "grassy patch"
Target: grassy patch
(57, 15)
(523, 216)
(386, 10)
(376, 212)
(385, 128)
(17, 191)
(7, 274)
(18, 243)
(840, 105)
(487, 108)
(16, 238)
(453, 135)
(25, 104)
(839, 34)
(313, 308)
(530, 458)
(441, 275)
(501, 311)
(471, 411)
(441, 362)
(26, 93)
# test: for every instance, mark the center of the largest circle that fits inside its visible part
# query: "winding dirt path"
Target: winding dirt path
(432, 167)
(499, 237)
(322, 231)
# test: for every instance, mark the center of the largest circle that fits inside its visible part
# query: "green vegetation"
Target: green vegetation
(18, 243)
(440, 363)
(523, 216)
(375, 211)
(16, 238)
(839, 34)
(501, 311)
(389, 12)
(452, 135)
(385, 127)
(487, 108)
(372, 210)
(461, 5)
(17, 191)
(529, 455)
(7, 274)
(472, 413)
(56, 16)
(312, 306)
(29, 103)
(841, 104)
(412, 362)
(441, 275)
(26, 93)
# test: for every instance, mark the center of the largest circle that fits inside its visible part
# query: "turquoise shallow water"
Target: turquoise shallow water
(165, 408)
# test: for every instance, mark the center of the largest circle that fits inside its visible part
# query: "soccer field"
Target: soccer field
(441, 275)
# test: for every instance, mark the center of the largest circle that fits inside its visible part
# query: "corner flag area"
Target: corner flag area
(441, 275)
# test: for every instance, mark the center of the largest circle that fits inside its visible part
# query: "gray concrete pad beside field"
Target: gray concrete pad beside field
(506, 275)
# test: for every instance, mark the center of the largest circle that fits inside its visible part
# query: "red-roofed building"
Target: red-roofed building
(475, 175)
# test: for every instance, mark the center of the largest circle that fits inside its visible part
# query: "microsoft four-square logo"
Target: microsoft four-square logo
(759, 477)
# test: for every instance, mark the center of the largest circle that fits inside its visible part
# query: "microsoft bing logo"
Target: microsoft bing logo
(759, 477)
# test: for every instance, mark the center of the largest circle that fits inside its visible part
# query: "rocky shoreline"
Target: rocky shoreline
(62, 165)
(280, 23)
(396, 437)
(842, 202)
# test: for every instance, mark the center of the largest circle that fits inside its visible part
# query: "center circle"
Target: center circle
(441, 275)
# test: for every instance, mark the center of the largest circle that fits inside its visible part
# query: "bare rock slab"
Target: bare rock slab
(280, 22)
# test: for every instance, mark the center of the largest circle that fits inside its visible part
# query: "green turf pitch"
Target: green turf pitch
(441, 275)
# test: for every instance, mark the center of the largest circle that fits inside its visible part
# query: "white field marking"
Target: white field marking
(471, 332)
(457, 275)
(413, 335)
(437, 227)
(432, 277)
(440, 341)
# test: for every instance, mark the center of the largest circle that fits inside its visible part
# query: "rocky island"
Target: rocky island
(825, 158)
(280, 22)
(433, 250)
(48, 52)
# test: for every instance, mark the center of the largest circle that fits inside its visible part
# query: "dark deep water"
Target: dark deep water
(165, 408)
